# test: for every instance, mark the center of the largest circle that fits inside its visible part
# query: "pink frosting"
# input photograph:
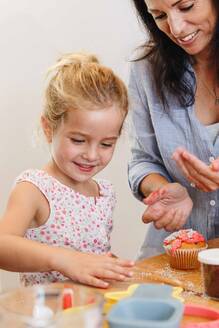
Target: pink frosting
(175, 240)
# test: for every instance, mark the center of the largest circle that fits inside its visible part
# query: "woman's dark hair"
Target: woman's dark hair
(169, 61)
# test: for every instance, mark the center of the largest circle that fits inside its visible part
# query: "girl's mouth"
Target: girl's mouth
(85, 167)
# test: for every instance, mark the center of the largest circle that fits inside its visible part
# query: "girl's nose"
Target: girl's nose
(176, 25)
(91, 154)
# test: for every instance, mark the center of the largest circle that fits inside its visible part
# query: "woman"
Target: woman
(174, 88)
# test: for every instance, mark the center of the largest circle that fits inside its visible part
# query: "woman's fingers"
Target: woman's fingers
(174, 219)
(204, 180)
(171, 210)
(195, 162)
(180, 162)
(154, 197)
(165, 219)
(215, 165)
(152, 213)
(200, 167)
(200, 181)
(177, 221)
(201, 175)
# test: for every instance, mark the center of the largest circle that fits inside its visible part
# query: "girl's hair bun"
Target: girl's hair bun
(71, 59)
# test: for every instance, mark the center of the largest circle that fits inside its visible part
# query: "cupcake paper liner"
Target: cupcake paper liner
(185, 259)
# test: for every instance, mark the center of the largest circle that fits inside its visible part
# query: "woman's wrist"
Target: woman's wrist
(151, 183)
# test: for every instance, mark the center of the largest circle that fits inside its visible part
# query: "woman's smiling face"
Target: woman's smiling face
(188, 23)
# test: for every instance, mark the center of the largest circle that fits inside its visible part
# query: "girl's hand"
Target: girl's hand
(201, 176)
(168, 207)
(92, 269)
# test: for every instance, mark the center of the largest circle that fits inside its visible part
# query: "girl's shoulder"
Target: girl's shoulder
(32, 175)
(39, 178)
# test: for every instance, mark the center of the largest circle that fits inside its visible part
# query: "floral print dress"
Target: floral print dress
(75, 221)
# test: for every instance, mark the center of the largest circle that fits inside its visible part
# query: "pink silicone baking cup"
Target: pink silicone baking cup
(184, 259)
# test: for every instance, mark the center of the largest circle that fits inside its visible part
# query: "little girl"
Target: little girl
(58, 219)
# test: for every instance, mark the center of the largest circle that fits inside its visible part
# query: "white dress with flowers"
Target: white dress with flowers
(75, 221)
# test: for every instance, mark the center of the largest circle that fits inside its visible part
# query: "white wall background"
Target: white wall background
(32, 35)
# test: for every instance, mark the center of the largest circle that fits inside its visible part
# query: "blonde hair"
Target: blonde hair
(79, 81)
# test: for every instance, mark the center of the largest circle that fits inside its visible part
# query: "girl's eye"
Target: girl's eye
(78, 141)
(107, 145)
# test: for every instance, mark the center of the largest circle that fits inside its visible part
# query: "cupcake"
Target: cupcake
(182, 248)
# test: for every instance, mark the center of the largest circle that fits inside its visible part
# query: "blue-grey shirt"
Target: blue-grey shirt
(155, 134)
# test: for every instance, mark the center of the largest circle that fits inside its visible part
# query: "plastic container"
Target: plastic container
(86, 310)
(42, 307)
(34, 307)
(209, 260)
(146, 313)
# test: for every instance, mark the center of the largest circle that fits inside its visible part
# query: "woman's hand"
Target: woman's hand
(168, 207)
(91, 269)
(202, 176)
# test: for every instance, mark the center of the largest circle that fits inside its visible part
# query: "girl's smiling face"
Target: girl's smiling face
(84, 142)
(188, 23)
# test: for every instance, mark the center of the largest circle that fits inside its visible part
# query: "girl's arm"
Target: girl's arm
(16, 252)
(20, 254)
